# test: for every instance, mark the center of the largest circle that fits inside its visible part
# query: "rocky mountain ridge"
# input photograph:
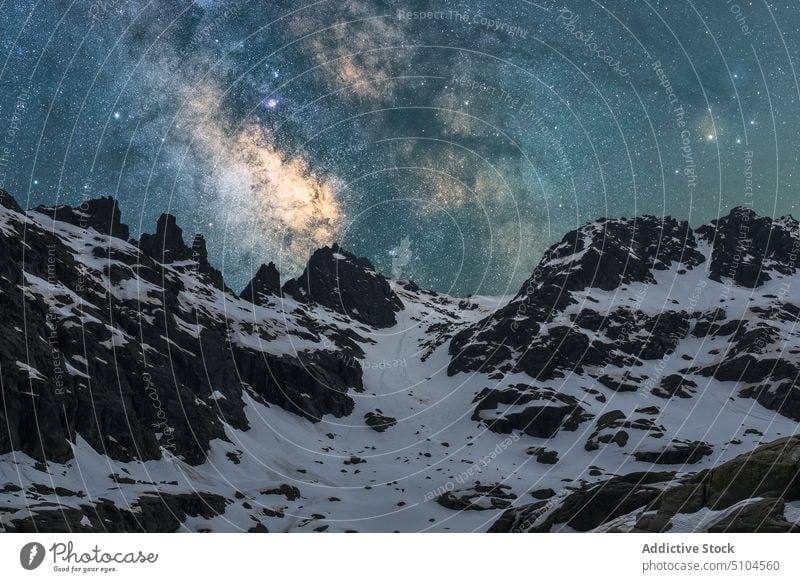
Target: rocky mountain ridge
(141, 393)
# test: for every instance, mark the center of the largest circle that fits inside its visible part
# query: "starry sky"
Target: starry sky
(449, 142)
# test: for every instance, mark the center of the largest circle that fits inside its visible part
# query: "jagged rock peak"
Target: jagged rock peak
(129, 306)
(609, 252)
(338, 280)
(265, 284)
(200, 256)
(540, 330)
(746, 246)
(102, 214)
(166, 245)
(8, 201)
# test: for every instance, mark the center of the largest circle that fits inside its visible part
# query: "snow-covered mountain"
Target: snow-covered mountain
(632, 383)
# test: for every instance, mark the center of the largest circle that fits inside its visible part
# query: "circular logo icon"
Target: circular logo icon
(31, 555)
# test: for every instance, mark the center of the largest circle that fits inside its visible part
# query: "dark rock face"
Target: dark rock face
(753, 488)
(569, 349)
(611, 255)
(161, 513)
(166, 245)
(675, 385)
(603, 254)
(138, 373)
(614, 427)
(8, 201)
(379, 422)
(783, 397)
(608, 253)
(478, 498)
(586, 508)
(290, 492)
(349, 285)
(746, 247)
(545, 414)
(204, 268)
(264, 286)
(748, 368)
(622, 384)
(676, 454)
(768, 470)
(774, 382)
(312, 386)
(542, 493)
(543, 455)
(713, 323)
(763, 516)
(565, 349)
(101, 214)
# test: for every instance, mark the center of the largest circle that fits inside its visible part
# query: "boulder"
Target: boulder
(379, 422)
(477, 498)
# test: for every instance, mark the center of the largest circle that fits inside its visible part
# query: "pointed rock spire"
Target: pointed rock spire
(266, 284)
(166, 245)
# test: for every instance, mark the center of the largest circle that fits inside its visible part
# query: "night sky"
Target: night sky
(448, 142)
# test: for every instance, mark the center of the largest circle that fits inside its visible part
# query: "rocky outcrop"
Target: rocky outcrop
(675, 454)
(538, 412)
(529, 334)
(615, 427)
(604, 254)
(762, 515)
(378, 421)
(8, 201)
(565, 349)
(166, 245)
(586, 508)
(747, 247)
(264, 287)
(746, 494)
(783, 397)
(769, 470)
(157, 513)
(311, 385)
(338, 280)
(204, 267)
(544, 455)
(477, 498)
(101, 214)
(675, 386)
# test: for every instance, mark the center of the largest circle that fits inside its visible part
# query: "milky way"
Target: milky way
(448, 142)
